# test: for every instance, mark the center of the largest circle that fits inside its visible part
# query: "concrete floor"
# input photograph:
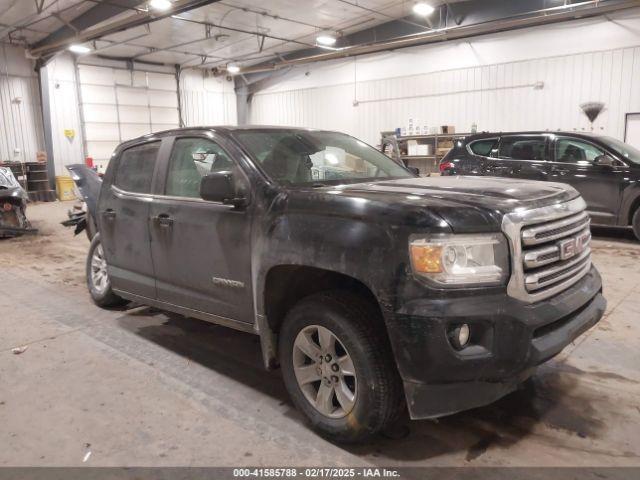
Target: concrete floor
(139, 387)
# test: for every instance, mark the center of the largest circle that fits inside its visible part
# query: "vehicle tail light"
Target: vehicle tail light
(445, 166)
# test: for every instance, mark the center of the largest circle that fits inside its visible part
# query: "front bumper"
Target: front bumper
(509, 339)
(13, 221)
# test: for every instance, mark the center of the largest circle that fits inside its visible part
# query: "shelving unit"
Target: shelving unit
(38, 183)
(439, 144)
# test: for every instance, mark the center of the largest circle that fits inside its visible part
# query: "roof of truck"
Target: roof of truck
(224, 129)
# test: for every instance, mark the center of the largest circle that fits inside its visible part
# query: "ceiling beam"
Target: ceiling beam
(469, 21)
(96, 14)
(136, 19)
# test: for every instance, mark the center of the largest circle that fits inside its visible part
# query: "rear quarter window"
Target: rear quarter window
(135, 168)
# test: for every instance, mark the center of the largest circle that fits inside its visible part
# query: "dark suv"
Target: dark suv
(370, 287)
(604, 170)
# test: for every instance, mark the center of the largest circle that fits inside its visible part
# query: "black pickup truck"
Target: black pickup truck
(371, 288)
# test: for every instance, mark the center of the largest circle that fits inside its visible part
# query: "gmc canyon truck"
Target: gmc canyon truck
(371, 288)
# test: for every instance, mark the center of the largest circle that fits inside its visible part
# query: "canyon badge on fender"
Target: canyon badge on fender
(225, 282)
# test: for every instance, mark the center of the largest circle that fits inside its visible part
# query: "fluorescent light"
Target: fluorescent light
(79, 48)
(423, 9)
(233, 68)
(160, 4)
(325, 39)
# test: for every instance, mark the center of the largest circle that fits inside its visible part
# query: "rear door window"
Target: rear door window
(523, 148)
(484, 147)
(135, 168)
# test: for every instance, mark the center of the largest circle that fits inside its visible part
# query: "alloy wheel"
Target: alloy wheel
(324, 371)
(99, 277)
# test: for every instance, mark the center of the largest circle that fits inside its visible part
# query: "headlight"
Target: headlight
(461, 260)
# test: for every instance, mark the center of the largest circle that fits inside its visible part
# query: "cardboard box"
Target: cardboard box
(442, 151)
(447, 129)
(423, 150)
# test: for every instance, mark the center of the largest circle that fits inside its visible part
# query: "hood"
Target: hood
(466, 204)
(88, 183)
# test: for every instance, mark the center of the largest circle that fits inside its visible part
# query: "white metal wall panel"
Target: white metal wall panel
(64, 112)
(100, 132)
(132, 96)
(120, 104)
(499, 97)
(207, 100)
(21, 133)
(91, 75)
(99, 94)
(159, 98)
(160, 115)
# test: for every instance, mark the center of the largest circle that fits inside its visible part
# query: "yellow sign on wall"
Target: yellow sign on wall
(70, 133)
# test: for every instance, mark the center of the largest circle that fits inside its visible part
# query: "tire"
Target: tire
(89, 228)
(100, 291)
(635, 223)
(374, 392)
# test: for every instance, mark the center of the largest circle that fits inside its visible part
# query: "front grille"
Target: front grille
(550, 249)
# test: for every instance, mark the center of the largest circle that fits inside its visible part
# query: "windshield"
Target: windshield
(627, 151)
(298, 157)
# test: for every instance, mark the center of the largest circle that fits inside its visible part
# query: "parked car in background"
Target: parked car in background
(13, 206)
(370, 287)
(604, 170)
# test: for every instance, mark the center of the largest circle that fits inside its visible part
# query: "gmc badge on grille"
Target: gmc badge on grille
(573, 246)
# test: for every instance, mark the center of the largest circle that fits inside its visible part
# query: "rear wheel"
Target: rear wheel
(636, 223)
(338, 368)
(98, 278)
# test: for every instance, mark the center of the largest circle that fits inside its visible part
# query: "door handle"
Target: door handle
(163, 220)
(109, 214)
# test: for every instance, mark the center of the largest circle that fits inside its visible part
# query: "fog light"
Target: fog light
(463, 334)
(459, 336)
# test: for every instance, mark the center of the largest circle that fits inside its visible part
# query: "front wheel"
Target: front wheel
(98, 278)
(338, 367)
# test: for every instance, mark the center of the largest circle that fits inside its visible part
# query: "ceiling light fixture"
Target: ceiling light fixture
(233, 68)
(423, 9)
(326, 40)
(75, 48)
(160, 4)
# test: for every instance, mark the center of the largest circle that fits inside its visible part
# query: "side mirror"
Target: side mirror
(414, 170)
(220, 187)
(605, 160)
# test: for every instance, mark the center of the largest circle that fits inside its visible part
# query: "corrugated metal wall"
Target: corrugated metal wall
(21, 133)
(207, 100)
(498, 97)
(64, 112)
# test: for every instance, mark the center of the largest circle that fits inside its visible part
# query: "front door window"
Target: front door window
(192, 159)
(569, 150)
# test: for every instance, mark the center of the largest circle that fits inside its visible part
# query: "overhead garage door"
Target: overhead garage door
(119, 105)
